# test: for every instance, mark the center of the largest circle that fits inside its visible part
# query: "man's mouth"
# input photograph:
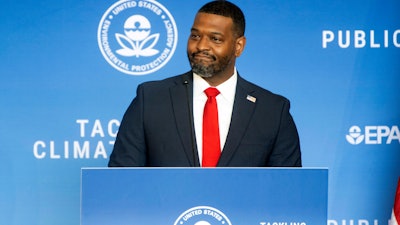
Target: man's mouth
(203, 56)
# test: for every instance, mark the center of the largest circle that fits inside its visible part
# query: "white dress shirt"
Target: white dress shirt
(225, 102)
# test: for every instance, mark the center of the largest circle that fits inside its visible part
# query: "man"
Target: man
(164, 125)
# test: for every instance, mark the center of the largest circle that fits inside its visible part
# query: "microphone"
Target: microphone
(190, 114)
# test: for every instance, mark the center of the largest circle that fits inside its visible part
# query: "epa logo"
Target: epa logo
(137, 34)
(373, 135)
(137, 37)
(202, 215)
(355, 137)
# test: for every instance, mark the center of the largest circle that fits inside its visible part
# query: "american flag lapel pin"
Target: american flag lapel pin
(251, 98)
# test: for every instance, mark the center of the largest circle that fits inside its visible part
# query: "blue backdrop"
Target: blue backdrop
(62, 96)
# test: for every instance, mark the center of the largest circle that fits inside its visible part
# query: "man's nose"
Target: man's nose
(203, 44)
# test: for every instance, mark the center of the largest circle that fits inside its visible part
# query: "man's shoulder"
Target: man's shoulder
(259, 91)
(167, 82)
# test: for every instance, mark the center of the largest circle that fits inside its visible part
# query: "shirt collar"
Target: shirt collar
(227, 89)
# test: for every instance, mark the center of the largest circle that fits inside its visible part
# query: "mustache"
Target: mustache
(204, 53)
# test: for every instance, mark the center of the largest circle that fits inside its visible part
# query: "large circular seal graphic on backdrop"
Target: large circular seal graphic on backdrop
(137, 37)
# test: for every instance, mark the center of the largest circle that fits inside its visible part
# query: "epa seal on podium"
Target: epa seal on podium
(202, 215)
(137, 37)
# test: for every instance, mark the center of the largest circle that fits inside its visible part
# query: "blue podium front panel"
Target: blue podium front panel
(228, 196)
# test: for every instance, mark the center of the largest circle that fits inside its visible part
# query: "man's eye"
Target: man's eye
(216, 39)
(194, 36)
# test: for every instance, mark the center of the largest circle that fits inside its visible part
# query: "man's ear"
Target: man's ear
(240, 44)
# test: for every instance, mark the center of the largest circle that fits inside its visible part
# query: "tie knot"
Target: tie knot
(211, 92)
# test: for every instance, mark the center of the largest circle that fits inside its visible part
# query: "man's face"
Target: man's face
(212, 46)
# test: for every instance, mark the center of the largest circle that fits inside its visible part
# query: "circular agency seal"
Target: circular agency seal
(137, 37)
(202, 215)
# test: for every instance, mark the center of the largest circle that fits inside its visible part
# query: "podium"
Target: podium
(202, 196)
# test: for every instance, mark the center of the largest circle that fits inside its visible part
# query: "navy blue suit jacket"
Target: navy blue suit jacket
(157, 128)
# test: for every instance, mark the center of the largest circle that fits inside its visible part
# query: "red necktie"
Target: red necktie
(211, 141)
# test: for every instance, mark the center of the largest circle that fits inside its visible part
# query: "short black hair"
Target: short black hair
(227, 9)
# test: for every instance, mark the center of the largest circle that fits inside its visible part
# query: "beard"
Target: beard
(208, 69)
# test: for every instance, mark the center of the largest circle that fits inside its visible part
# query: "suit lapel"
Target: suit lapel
(182, 103)
(243, 109)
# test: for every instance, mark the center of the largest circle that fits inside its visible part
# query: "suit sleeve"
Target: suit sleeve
(286, 150)
(130, 145)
